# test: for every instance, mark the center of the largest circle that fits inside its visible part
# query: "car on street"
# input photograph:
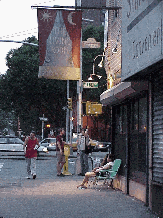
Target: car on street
(103, 146)
(74, 144)
(42, 149)
(11, 143)
(49, 143)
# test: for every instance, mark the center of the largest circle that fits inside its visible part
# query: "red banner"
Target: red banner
(59, 43)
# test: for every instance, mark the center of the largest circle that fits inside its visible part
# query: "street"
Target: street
(52, 196)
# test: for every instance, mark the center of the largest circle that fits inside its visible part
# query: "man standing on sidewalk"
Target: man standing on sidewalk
(83, 145)
(60, 152)
(31, 145)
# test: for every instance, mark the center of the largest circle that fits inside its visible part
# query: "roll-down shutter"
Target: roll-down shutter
(158, 128)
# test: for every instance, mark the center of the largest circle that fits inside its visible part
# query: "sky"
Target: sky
(18, 21)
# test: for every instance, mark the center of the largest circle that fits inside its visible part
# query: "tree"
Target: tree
(28, 96)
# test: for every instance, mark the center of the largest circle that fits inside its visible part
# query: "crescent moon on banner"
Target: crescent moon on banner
(69, 18)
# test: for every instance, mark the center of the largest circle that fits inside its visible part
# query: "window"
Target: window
(143, 115)
(15, 141)
(3, 140)
(52, 140)
(139, 115)
(121, 119)
(135, 116)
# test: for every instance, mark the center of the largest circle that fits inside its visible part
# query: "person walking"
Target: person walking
(60, 152)
(31, 145)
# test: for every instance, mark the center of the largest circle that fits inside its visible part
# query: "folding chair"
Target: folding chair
(109, 174)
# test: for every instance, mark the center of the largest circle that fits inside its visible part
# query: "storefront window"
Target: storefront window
(143, 115)
(136, 115)
(121, 119)
(124, 120)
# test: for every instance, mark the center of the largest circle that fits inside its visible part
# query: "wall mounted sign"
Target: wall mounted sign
(142, 35)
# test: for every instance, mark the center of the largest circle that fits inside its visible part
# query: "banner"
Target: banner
(59, 33)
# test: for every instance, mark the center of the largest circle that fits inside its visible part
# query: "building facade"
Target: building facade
(134, 66)
(93, 16)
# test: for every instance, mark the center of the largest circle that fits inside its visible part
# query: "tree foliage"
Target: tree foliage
(30, 97)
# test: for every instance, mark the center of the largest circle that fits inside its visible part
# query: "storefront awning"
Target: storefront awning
(122, 91)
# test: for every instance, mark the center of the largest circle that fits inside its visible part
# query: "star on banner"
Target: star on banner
(46, 16)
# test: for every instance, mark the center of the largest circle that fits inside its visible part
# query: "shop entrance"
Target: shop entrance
(130, 143)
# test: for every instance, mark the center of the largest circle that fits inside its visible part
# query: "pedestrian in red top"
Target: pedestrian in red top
(60, 152)
(31, 145)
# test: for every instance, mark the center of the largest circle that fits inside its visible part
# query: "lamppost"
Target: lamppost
(100, 65)
(95, 60)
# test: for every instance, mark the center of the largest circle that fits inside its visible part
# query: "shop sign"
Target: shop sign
(91, 43)
(142, 35)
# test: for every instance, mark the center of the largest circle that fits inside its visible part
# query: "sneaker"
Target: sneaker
(28, 177)
(61, 175)
(34, 176)
(82, 187)
(81, 174)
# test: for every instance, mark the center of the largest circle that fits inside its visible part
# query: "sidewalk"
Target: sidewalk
(60, 198)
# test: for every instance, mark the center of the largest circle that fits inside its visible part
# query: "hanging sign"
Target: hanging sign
(59, 34)
(91, 43)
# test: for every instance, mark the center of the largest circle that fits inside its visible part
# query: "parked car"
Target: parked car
(42, 149)
(11, 143)
(103, 146)
(49, 143)
(74, 144)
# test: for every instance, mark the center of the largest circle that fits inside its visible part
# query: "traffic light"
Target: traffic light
(88, 108)
(69, 102)
(48, 126)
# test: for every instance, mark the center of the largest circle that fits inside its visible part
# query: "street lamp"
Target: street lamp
(100, 64)
(93, 76)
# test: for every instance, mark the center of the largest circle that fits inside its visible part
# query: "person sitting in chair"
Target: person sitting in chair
(107, 163)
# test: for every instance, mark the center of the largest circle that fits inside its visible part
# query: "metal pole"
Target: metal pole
(77, 107)
(70, 126)
(67, 114)
(93, 67)
(43, 128)
(94, 62)
(79, 83)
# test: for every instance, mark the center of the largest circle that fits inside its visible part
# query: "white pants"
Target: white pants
(31, 166)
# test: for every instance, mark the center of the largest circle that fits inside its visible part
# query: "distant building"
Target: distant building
(98, 16)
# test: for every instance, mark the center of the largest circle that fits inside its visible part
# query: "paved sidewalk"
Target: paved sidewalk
(59, 197)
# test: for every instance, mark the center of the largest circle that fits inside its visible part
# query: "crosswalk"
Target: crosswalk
(1, 165)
